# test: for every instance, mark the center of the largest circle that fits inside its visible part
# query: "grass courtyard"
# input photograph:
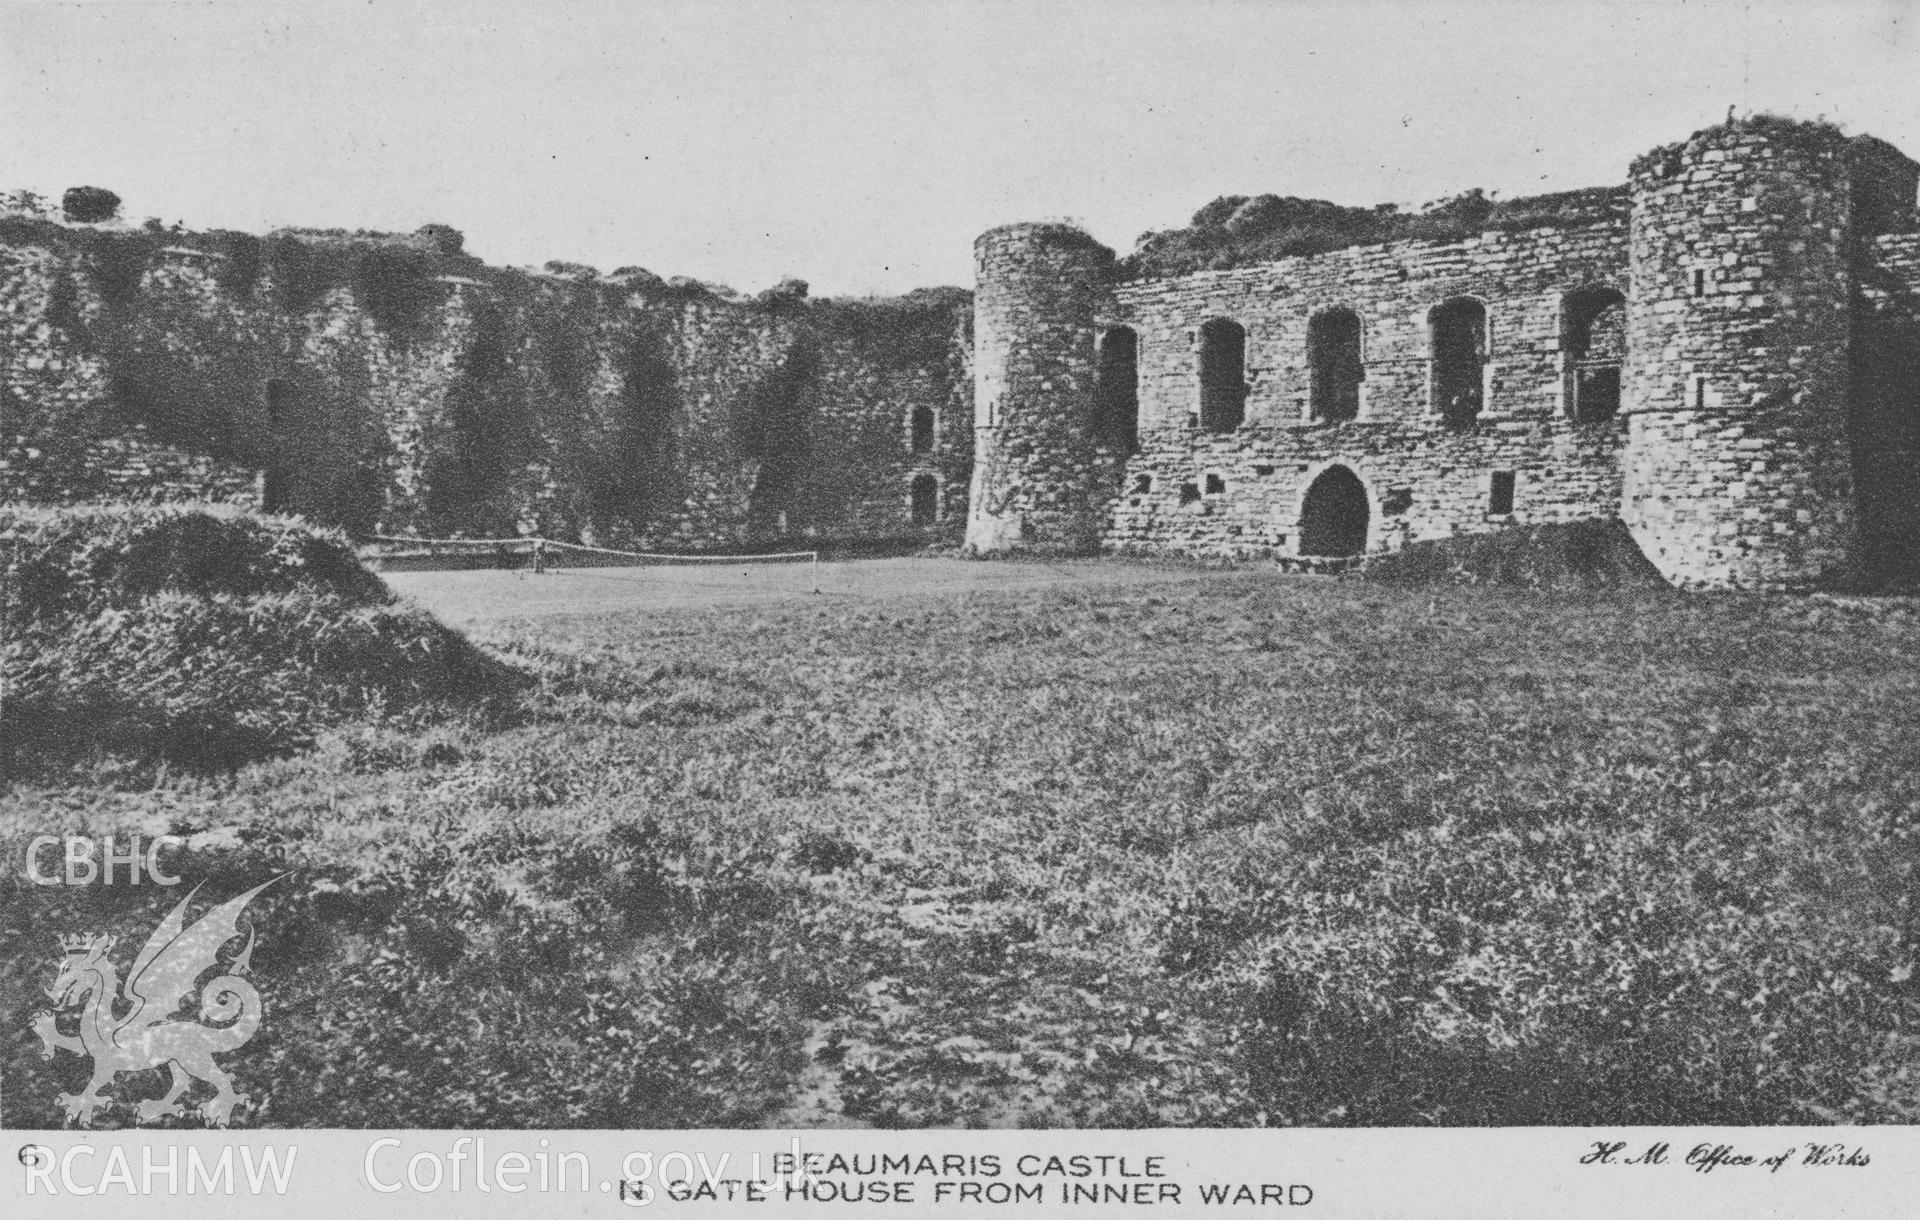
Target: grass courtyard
(1079, 844)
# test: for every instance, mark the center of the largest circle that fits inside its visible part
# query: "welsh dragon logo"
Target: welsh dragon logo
(147, 1034)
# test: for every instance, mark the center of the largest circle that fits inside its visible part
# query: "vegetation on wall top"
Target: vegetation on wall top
(910, 330)
(89, 204)
(1814, 134)
(569, 398)
(1241, 230)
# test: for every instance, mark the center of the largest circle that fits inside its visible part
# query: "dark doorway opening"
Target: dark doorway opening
(1117, 389)
(1333, 355)
(1223, 375)
(1333, 520)
(1459, 331)
(1500, 493)
(924, 495)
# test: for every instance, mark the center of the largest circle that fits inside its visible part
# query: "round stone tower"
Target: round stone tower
(1736, 471)
(1038, 481)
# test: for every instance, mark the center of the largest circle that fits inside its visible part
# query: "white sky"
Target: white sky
(861, 146)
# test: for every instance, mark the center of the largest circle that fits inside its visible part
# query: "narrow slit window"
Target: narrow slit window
(1699, 281)
(1500, 493)
(921, 428)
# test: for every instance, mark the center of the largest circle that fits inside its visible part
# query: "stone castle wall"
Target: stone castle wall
(450, 398)
(1767, 428)
(1040, 478)
(1739, 470)
(1427, 480)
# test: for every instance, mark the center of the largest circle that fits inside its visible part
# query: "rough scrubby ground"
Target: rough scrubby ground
(1235, 849)
(141, 637)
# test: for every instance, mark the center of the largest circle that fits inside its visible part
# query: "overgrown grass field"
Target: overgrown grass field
(1233, 849)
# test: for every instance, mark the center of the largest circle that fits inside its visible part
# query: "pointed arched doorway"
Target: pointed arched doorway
(1333, 518)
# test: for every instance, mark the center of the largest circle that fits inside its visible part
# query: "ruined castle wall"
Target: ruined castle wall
(1738, 466)
(1041, 480)
(1423, 478)
(480, 403)
(67, 437)
(863, 459)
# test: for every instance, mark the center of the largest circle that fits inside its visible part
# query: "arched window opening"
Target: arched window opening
(1459, 353)
(922, 429)
(1334, 365)
(1223, 375)
(1594, 340)
(924, 496)
(1117, 389)
(1333, 518)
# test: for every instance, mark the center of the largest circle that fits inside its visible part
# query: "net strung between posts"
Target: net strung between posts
(547, 554)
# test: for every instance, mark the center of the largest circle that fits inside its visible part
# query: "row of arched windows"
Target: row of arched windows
(1593, 342)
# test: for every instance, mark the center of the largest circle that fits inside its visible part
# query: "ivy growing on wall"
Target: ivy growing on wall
(395, 285)
(632, 475)
(910, 331)
(632, 408)
(772, 430)
(117, 262)
(238, 271)
(298, 275)
(490, 437)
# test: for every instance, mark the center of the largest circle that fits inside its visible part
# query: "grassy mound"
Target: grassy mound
(69, 561)
(205, 638)
(1566, 556)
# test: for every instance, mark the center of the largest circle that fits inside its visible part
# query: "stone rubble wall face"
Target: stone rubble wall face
(1424, 479)
(370, 419)
(1743, 479)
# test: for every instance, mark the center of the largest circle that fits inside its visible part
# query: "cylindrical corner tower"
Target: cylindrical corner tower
(1736, 468)
(1038, 482)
